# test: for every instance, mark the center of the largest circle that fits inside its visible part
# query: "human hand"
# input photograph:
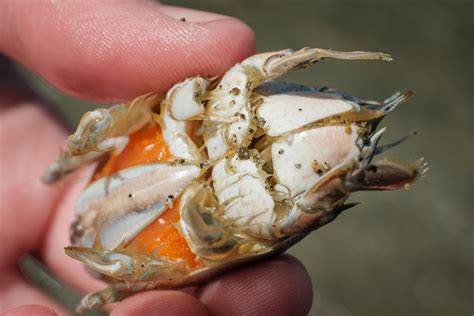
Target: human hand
(111, 52)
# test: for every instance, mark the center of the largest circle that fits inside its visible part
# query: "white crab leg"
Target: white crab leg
(120, 206)
(185, 98)
(182, 103)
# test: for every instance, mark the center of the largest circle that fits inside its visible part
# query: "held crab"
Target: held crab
(221, 172)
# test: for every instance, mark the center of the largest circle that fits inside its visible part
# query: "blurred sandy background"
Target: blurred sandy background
(398, 253)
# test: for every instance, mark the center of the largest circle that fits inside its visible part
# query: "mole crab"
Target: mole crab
(221, 171)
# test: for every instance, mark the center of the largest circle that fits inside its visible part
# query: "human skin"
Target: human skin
(110, 52)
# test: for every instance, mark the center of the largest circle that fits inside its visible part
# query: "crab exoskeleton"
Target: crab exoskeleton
(221, 172)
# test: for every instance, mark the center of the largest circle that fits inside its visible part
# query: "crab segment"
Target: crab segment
(121, 265)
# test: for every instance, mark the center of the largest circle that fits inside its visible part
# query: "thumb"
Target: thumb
(117, 50)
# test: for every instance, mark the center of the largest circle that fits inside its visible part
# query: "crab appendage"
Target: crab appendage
(184, 100)
(99, 132)
(112, 293)
(266, 66)
(181, 106)
(325, 200)
(283, 62)
(64, 164)
(130, 265)
(99, 125)
(209, 239)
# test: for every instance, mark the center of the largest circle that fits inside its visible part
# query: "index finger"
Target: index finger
(117, 50)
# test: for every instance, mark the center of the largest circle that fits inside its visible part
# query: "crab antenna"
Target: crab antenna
(384, 148)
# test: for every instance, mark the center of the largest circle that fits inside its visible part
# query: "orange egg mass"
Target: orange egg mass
(148, 146)
(144, 146)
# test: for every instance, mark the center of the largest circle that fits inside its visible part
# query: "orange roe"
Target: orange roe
(144, 146)
(147, 146)
(162, 235)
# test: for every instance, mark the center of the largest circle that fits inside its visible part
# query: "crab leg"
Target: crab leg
(65, 164)
(280, 63)
(112, 293)
(126, 265)
(99, 132)
(181, 106)
(208, 239)
(99, 125)
(266, 66)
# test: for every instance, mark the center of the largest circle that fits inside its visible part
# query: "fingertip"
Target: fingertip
(160, 303)
(116, 51)
(238, 41)
(31, 310)
(277, 287)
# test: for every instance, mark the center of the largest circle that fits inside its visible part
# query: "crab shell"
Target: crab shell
(219, 173)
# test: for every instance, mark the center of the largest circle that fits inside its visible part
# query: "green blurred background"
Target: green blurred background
(399, 253)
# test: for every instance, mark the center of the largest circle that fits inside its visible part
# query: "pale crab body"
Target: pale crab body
(220, 172)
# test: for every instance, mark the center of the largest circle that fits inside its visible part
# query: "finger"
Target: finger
(278, 287)
(160, 303)
(28, 139)
(116, 50)
(67, 269)
(31, 310)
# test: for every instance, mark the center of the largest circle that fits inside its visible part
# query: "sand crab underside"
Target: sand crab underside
(220, 172)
